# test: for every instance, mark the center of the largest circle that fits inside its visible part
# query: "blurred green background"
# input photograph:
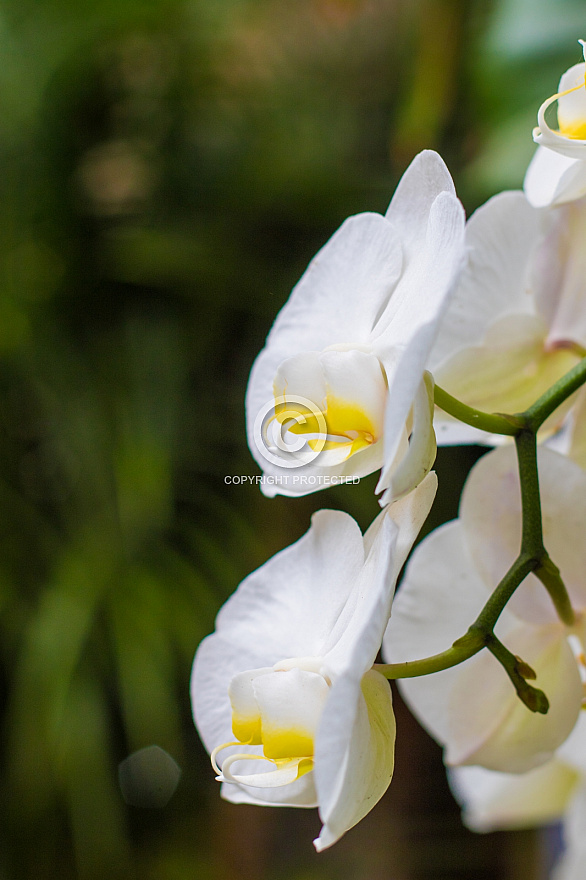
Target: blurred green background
(168, 168)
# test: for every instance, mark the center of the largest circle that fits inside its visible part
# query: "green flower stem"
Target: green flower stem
(532, 534)
(486, 621)
(518, 671)
(493, 423)
(532, 557)
(532, 537)
(511, 424)
(478, 635)
(549, 575)
(436, 663)
(554, 396)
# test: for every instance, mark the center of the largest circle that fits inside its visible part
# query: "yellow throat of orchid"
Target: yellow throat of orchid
(344, 426)
(329, 402)
(277, 709)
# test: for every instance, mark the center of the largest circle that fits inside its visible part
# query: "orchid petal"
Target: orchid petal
(500, 238)
(498, 801)
(558, 277)
(354, 757)
(422, 293)
(290, 703)
(553, 179)
(426, 177)
(509, 369)
(355, 742)
(342, 291)
(440, 595)
(573, 751)
(416, 463)
(424, 180)
(572, 184)
(404, 344)
(246, 720)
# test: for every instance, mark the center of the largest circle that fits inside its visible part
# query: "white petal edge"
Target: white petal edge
(553, 179)
(353, 772)
(494, 801)
(426, 177)
(405, 343)
(500, 238)
(418, 460)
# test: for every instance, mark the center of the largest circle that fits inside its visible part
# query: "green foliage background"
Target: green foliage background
(168, 168)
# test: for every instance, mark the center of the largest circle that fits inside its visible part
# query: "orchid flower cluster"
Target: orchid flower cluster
(407, 327)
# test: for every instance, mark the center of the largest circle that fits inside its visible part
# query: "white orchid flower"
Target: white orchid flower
(557, 172)
(340, 383)
(557, 790)
(493, 801)
(472, 709)
(516, 322)
(283, 692)
(500, 801)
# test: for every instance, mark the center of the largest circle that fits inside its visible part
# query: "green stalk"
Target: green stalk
(555, 396)
(532, 536)
(477, 636)
(493, 423)
(532, 557)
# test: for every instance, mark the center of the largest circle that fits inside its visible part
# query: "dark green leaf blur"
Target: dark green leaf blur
(167, 169)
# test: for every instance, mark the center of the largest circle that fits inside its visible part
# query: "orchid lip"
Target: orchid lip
(287, 770)
(538, 131)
